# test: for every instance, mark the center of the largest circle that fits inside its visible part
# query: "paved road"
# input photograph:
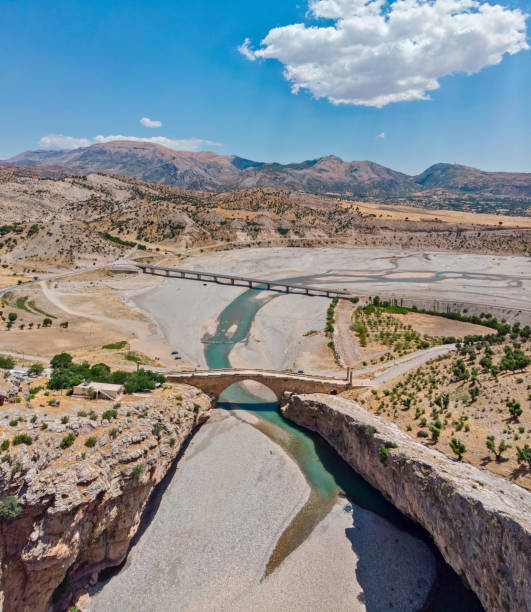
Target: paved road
(391, 369)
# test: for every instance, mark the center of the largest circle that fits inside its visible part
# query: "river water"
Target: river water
(326, 473)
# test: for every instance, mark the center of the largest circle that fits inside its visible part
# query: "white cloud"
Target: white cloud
(246, 51)
(187, 144)
(150, 123)
(381, 135)
(376, 53)
(60, 141)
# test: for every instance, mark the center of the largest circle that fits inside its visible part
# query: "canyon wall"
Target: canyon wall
(81, 505)
(480, 522)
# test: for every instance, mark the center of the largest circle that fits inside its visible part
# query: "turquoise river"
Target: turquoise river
(326, 473)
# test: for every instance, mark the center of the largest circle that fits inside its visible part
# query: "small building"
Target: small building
(98, 390)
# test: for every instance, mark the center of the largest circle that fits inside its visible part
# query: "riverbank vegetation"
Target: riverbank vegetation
(67, 374)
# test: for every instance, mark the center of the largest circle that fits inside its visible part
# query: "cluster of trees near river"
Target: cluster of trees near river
(67, 374)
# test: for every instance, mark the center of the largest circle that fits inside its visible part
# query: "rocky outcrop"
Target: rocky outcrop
(81, 504)
(480, 522)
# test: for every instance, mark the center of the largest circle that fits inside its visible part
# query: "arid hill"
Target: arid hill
(53, 220)
(326, 175)
(453, 177)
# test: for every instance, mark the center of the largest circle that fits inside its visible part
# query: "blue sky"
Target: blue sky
(83, 69)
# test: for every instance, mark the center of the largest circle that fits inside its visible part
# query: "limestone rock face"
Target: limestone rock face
(82, 505)
(480, 522)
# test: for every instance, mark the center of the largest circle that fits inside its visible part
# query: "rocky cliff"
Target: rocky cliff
(481, 523)
(81, 501)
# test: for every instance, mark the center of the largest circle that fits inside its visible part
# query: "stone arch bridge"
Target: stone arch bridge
(216, 381)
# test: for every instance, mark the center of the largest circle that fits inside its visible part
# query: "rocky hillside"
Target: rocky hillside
(73, 487)
(52, 221)
(480, 522)
(212, 172)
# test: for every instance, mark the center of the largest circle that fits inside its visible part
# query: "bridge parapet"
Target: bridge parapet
(216, 381)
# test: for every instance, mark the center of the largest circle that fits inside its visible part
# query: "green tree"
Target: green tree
(474, 393)
(458, 448)
(460, 370)
(9, 509)
(12, 317)
(523, 455)
(515, 410)
(435, 429)
(62, 360)
(498, 452)
(443, 401)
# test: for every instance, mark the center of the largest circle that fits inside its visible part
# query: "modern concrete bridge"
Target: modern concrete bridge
(216, 381)
(242, 280)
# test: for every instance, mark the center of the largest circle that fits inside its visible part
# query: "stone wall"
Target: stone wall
(480, 522)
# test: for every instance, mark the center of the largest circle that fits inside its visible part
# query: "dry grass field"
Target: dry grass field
(468, 407)
(410, 213)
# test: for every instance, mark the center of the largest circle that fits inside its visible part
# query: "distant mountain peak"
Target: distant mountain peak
(206, 170)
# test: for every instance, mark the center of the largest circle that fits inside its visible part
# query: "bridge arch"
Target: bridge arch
(240, 392)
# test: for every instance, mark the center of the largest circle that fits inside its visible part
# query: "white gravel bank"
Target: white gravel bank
(232, 496)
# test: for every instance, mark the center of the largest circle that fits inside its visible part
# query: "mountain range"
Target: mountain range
(209, 171)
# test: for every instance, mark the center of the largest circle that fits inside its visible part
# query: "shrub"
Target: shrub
(9, 509)
(369, 431)
(138, 470)
(68, 440)
(12, 317)
(157, 429)
(5, 445)
(115, 346)
(64, 420)
(22, 438)
(383, 453)
(91, 442)
(6, 363)
(173, 441)
(36, 369)
(109, 415)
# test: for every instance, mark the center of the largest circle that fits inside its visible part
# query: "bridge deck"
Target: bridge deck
(271, 285)
(280, 374)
